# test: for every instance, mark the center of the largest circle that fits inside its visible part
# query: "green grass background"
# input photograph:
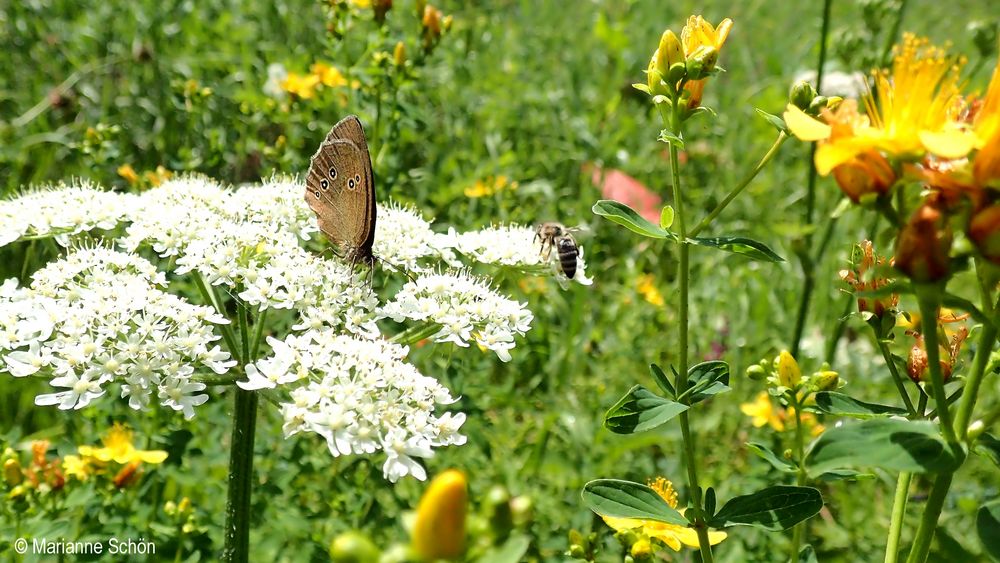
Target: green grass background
(532, 90)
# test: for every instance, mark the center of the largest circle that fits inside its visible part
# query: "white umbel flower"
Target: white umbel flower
(360, 397)
(61, 211)
(464, 308)
(514, 246)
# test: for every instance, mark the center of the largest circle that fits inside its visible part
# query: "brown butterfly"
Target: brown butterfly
(340, 189)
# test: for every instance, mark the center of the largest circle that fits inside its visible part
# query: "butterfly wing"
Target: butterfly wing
(338, 192)
(359, 246)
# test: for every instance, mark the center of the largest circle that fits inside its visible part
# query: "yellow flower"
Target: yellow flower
(361, 3)
(489, 186)
(158, 176)
(671, 534)
(119, 449)
(762, 412)
(126, 171)
(77, 466)
(328, 75)
(986, 126)
(439, 528)
(702, 43)
(917, 110)
(648, 290)
(303, 86)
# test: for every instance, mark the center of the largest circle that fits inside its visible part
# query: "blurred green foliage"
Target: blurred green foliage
(531, 90)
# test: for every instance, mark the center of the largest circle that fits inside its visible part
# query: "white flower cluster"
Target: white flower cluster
(61, 211)
(516, 246)
(465, 309)
(360, 396)
(98, 317)
(232, 243)
(404, 240)
(279, 201)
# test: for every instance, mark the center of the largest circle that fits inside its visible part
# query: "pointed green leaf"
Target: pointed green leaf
(988, 446)
(740, 245)
(618, 212)
(662, 381)
(666, 217)
(707, 379)
(988, 528)
(844, 475)
(640, 410)
(625, 499)
(671, 139)
(774, 120)
(765, 453)
(892, 444)
(774, 508)
(710, 501)
(839, 404)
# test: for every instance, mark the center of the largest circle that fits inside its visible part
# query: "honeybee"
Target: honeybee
(552, 234)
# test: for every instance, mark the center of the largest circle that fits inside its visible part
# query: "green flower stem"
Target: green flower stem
(237, 536)
(809, 282)
(258, 334)
(928, 521)
(681, 382)
(218, 379)
(798, 534)
(898, 513)
(929, 298)
(226, 330)
(987, 339)
(782, 137)
(896, 377)
(415, 334)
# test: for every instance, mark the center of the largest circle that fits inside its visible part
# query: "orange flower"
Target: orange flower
(866, 275)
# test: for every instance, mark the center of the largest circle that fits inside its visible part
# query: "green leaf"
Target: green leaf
(844, 475)
(707, 379)
(666, 217)
(988, 528)
(774, 508)
(774, 120)
(988, 446)
(640, 410)
(765, 453)
(740, 245)
(511, 551)
(625, 499)
(618, 212)
(831, 402)
(662, 381)
(641, 87)
(710, 501)
(671, 139)
(892, 444)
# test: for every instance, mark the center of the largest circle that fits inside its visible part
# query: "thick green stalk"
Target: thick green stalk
(681, 381)
(987, 340)
(928, 521)
(237, 537)
(898, 513)
(809, 281)
(929, 298)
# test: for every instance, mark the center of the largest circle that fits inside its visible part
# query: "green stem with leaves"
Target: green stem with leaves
(683, 279)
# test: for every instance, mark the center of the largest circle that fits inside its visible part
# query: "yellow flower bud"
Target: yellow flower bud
(353, 547)
(669, 52)
(654, 76)
(12, 472)
(641, 549)
(825, 380)
(439, 529)
(789, 374)
(399, 54)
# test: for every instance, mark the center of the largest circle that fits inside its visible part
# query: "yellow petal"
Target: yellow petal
(832, 155)
(805, 126)
(689, 537)
(152, 456)
(622, 524)
(948, 144)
